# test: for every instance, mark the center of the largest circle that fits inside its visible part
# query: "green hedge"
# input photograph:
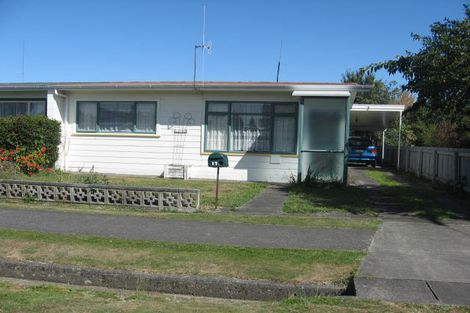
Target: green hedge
(32, 133)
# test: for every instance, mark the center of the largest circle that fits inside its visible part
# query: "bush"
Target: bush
(30, 164)
(31, 134)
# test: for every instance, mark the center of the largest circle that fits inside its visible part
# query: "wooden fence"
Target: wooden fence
(447, 165)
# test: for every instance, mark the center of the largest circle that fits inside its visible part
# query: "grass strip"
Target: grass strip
(327, 198)
(45, 297)
(281, 265)
(383, 178)
(292, 220)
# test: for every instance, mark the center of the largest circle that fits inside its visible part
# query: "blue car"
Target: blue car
(362, 150)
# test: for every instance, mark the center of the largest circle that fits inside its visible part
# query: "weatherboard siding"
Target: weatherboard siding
(148, 155)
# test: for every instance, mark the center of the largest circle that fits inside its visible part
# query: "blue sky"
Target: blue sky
(117, 40)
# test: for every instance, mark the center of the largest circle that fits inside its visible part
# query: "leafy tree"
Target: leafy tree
(439, 74)
(381, 92)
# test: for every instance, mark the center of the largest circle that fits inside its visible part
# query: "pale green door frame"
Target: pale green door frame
(323, 135)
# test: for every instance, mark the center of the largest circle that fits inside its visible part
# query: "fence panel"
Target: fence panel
(448, 165)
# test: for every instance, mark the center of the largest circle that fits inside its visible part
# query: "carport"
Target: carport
(377, 117)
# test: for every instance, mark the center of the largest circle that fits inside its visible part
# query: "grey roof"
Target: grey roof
(186, 85)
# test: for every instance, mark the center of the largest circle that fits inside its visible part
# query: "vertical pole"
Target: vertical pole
(194, 66)
(383, 144)
(399, 142)
(217, 189)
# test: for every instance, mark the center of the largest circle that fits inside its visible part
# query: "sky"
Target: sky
(144, 40)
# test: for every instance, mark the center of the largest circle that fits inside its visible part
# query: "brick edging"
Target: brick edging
(217, 287)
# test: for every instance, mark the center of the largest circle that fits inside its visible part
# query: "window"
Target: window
(17, 107)
(116, 116)
(251, 127)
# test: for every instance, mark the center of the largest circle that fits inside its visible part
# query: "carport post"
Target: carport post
(383, 145)
(399, 142)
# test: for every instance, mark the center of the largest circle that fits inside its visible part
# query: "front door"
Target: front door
(322, 147)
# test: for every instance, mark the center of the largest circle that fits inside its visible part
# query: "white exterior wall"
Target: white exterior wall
(148, 155)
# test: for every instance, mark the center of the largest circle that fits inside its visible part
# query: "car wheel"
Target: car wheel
(374, 163)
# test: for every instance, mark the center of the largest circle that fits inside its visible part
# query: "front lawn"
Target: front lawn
(328, 198)
(281, 265)
(19, 296)
(232, 194)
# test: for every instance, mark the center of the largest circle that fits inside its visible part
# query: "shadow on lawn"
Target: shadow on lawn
(403, 200)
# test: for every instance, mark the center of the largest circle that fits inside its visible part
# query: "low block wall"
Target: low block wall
(186, 200)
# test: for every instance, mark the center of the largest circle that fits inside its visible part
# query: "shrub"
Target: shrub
(28, 163)
(31, 134)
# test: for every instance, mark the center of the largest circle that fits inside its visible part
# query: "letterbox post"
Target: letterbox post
(217, 188)
(218, 160)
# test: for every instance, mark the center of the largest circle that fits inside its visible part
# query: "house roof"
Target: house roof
(187, 85)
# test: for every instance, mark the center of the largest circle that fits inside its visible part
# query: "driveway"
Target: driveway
(415, 260)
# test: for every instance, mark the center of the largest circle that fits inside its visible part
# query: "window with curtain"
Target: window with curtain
(116, 116)
(251, 127)
(18, 107)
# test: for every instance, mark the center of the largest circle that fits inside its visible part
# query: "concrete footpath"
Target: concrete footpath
(141, 228)
(415, 261)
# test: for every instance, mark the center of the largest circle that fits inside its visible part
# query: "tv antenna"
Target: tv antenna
(279, 63)
(204, 47)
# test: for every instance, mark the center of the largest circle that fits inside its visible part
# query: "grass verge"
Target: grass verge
(20, 296)
(292, 220)
(232, 194)
(282, 265)
(317, 199)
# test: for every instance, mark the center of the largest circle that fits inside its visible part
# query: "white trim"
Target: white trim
(378, 107)
(321, 93)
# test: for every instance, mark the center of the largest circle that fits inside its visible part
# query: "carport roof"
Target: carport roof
(374, 117)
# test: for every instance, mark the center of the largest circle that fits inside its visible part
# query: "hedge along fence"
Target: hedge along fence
(31, 134)
(185, 200)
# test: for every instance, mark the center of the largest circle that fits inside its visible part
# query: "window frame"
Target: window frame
(272, 115)
(134, 110)
(28, 101)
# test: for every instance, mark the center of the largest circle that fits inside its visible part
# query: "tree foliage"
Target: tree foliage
(381, 92)
(439, 74)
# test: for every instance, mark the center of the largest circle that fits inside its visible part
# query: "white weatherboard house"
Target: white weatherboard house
(270, 131)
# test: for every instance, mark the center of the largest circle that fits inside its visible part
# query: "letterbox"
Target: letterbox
(217, 159)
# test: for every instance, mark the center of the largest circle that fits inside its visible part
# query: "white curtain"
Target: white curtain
(284, 134)
(116, 117)
(216, 132)
(87, 116)
(251, 133)
(145, 119)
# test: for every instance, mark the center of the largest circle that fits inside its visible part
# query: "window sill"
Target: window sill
(253, 154)
(84, 134)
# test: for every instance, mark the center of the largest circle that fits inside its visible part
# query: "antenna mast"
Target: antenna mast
(279, 64)
(202, 46)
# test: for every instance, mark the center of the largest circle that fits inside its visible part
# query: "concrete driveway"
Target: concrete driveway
(415, 260)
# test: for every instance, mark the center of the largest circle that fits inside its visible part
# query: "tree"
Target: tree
(381, 92)
(439, 74)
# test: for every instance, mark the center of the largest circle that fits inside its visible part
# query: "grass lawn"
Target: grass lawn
(317, 199)
(232, 194)
(283, 265)
(19, 296)
(206, 216)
